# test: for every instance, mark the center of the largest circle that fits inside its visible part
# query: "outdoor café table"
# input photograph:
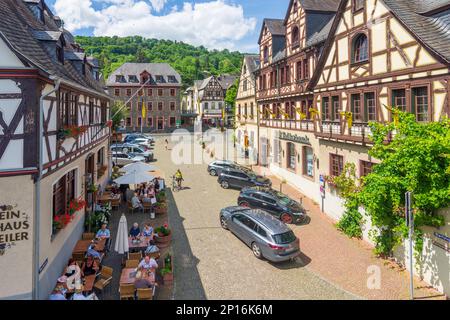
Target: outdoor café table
(88, 285)
(83, 245)
(126, 276)
(145, 242)
(106, 197)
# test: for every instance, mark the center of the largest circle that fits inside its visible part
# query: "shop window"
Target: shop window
(336, 165)
(291, 156)
(308, 162)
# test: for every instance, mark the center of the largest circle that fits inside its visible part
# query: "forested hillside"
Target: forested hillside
(191, 62)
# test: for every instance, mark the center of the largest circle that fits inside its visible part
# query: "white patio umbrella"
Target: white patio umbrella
(135, 177)
(138, 167)
(122, 236)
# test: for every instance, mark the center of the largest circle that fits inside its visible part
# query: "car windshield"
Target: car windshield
(285, 201)
(284, 238)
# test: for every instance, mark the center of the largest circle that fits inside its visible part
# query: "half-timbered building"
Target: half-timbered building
(247, 110)
(209, 98)
(54, 133)
(290, 50)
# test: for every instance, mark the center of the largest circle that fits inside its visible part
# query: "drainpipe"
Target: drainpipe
(37, 211)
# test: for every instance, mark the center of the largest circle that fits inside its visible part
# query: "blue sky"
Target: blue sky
(216, 24)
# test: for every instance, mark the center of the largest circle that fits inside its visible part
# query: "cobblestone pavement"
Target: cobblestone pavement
(211, 263)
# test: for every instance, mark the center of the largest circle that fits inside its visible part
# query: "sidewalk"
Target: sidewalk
(348, 263)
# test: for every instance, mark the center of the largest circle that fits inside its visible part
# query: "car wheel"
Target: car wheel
(244, 204)
(287, 218)
(223, 223)
(213, 172)
(225, 185)
(257, 250)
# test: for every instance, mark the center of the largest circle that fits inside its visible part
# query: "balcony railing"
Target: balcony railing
(301, 125)
(336, 130)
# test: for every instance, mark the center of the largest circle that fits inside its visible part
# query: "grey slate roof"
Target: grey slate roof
(321, 35)
(252, 62)
(279, 56)
(154, 69)
(46, 35)
(320, 5)
(18, 27)
(276, 27)
(433, 31)
(226, 81)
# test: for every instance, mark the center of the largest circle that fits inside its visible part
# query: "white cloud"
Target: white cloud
(216, 24)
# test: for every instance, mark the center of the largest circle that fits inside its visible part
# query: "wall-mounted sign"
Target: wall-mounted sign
(42, 267)
(294, 138)
(14, 227)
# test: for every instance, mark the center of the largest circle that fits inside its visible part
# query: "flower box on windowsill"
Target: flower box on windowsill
(72, 131)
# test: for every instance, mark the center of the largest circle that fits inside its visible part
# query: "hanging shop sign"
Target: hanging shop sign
(14, 227)
(294, 138)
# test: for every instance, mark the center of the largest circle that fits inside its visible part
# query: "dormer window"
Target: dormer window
(295, 37)
(133, 78)
(295, 6)
(358, 5)
(60, 54)
(172, 79)
(120, 78)
(159, 79)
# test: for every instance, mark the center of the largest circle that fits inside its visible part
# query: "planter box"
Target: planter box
(168, 278)
(160, 211)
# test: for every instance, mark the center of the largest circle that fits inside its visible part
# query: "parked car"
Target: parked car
(144, 142)
(274, 202)
(133, 149)
(239, 177)
(267, 236)
(133, 136)
(122, 159)
(215, 168)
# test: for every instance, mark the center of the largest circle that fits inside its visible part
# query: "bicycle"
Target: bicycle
(175, 185)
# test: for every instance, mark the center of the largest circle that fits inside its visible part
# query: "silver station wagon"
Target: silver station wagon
(267, 236)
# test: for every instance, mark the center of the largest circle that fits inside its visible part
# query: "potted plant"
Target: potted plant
(161, 208)
(167, 271)
(92, 188)
(163, 236)
(161, 196)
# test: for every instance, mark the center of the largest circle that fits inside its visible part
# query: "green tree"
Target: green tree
(119, 112)
(230, 98)
(413, 159)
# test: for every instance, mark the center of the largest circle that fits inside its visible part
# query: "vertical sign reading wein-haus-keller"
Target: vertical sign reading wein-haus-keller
(14, 227)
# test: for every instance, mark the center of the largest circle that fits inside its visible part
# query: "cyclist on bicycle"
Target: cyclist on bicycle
(179, 178)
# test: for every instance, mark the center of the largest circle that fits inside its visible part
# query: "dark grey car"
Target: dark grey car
(240, 177)
(267, 236)
(215, 168)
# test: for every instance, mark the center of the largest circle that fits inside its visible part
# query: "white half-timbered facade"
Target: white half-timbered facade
(44, 72)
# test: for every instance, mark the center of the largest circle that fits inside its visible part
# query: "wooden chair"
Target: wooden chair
(135, 256)
(131, 263)
(145, 294)
(88, 236)
(130, 207)
(105, 278)
(127, 291)
(147, 206)
(115, 203)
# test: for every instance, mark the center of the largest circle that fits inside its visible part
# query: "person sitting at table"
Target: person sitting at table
(58, 293)
(136, 203)
(135, 231)
(78, 295)
(148, 263)
(90, 267)
(142, 283)
(93, 253)
(71, 268)
(148, 231)
(103, 234)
